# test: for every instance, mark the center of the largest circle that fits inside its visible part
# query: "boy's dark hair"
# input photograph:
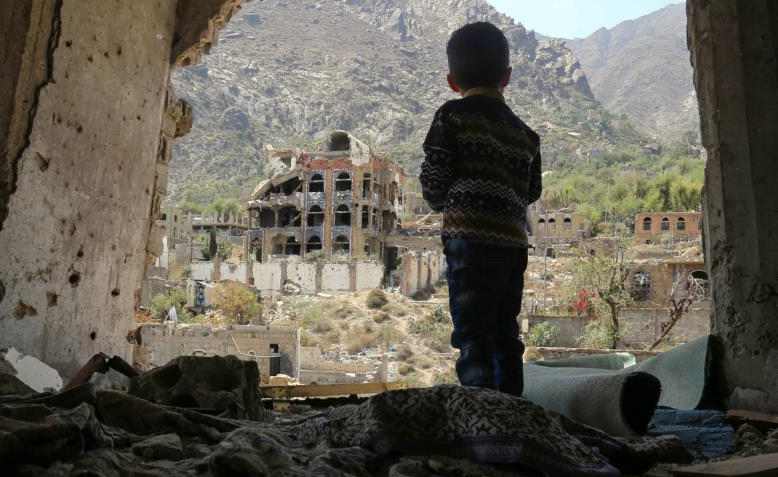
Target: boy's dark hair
(478, 55)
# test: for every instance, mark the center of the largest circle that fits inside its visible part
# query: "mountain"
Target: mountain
(286, 72)
(641, 68)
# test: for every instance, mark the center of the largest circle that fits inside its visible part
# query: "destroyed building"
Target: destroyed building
(552, 227)
(341, 202)
(655, 227)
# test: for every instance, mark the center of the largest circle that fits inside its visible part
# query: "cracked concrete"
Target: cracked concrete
(85, 128)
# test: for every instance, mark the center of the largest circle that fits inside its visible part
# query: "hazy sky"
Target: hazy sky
(576, 18)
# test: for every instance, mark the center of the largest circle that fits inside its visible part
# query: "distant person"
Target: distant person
(172, 316)
(482, 170)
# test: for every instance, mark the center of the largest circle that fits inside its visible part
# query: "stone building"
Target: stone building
(652, 281)
(657, 226)
(555, 227)
(276, 349)
(341, 202)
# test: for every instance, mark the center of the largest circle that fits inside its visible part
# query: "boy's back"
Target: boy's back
(482, 169)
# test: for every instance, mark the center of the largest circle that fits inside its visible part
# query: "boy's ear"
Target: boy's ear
(452, 83)
(506, 78)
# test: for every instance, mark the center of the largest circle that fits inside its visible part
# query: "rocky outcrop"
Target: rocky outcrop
(641, 68)
(281, 75)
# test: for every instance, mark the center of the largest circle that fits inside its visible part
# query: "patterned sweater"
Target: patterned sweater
(482, 170)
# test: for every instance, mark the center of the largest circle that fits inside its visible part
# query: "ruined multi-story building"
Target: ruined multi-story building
(341, 202)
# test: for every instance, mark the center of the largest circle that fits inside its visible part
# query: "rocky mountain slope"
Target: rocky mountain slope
(641, 68)
(287, 72)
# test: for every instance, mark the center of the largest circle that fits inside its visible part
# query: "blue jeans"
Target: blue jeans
(485, 288)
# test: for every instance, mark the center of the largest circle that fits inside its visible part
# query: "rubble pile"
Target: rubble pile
(202, 416)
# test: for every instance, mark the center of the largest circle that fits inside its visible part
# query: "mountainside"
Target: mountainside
(287, 72)
(641, 68)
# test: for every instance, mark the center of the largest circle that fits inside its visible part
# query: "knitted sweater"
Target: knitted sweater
(482, 169)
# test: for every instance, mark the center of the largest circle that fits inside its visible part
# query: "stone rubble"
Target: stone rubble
(202, 416)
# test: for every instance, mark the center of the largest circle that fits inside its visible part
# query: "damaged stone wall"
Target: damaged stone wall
(83, 92)
(734, 47)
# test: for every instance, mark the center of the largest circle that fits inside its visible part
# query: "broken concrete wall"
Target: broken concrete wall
(734, 47)
(74, 238)
(370, 275)
(201, 271)
(82, 93)
(304, 275)
(335, 277)
(268, 277)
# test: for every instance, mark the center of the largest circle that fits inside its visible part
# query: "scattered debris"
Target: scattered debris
(32, 371)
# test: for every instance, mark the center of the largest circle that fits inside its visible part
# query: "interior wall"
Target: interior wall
(734, 45)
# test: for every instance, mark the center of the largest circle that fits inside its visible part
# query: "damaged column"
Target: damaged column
(734, 47)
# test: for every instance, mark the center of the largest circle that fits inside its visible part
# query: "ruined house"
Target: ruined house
(655, 227)
(563, 226)
(341, 202)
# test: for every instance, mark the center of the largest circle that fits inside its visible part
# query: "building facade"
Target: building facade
(657, 226)
(342, 202)
(563, 226)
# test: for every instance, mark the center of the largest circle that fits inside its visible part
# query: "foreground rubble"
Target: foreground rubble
(202, 416)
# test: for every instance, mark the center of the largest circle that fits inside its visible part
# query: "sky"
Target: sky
(576, 18)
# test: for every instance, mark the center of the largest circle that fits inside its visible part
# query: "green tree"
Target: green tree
(606, 278)
(161, 303)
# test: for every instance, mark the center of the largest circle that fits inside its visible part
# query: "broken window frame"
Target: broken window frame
(341, 245)
(313, 215)
(316, 183)
(343, 182)
(343, 216)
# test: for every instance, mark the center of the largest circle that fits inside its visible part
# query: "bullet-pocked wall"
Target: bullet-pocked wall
(83, 90)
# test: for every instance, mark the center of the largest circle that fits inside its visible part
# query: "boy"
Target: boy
(482, 170)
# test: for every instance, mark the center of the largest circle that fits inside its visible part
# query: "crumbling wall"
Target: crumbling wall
(369, 275)
(336, 277)
(74, 239)
(160, 343)
(303, 275)
(83, 92)
(734, 47)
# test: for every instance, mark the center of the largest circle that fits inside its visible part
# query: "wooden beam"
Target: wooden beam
(327, 390)
(757, 466)
(764, 422)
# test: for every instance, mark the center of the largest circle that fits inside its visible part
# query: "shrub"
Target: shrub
(543, 334)
(322, 326)
(405, 369)
(597, 335)
(397, 310)
(237, 302)
(404, 353)
(360, 343)
(161, 303)
(346, 311)
(376, 299)
(381, 317)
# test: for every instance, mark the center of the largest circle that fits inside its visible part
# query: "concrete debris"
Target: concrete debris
(449, 430)
(33, 372)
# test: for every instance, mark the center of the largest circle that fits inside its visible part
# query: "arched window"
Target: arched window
(542, 221)
(647, 223)
(641, 286)
(267, 218)
(366, 179)
(289, 217)
(316, 183)
(343, 182)
(665, 224)
(314, 244)
(342, 215)
(568, 222)
(681, 224)
(292, 246)
(341, 245)
(700, 283)
(315, 216)
(365, 217)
